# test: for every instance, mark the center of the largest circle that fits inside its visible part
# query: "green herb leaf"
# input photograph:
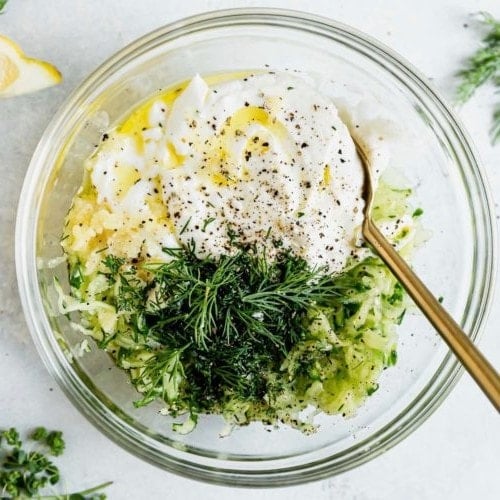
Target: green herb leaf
(206, 222)
(483, 66)
(218, 323)
(39, 434)
(76, 276)
(3, 3)
(113, 263)
(393, 358)
(11, 437)
(495, 128)
(56, 443)
(24, 471)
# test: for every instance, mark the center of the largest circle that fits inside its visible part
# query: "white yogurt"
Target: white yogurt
(264, 156)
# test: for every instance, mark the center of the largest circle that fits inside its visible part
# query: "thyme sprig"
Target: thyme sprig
(483, 66)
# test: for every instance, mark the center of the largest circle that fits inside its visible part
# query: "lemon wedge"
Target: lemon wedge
(20, 74)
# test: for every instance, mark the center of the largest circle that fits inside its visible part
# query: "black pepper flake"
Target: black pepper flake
(247, 104)
(105, 137)
(304, 145)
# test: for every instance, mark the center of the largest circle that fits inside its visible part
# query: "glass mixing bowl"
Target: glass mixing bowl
(435, 158)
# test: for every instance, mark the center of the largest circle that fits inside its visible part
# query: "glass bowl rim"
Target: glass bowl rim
(100, 415)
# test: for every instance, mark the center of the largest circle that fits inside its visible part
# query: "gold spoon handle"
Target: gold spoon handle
(471, 358)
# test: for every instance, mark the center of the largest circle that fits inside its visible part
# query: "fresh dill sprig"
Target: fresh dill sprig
(218, 324)
(243, 292)
(495, 128)
(483, 66)
(161, 376)
(25, 471)
(113, 264)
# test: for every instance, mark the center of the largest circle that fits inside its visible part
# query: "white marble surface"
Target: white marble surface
(455, 454)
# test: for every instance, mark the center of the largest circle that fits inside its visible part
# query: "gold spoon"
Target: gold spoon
(467, 353)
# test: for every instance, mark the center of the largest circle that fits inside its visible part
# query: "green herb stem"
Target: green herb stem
(24, 471)
(483, 66)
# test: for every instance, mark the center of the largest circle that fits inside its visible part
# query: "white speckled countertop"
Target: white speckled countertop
(455, 454)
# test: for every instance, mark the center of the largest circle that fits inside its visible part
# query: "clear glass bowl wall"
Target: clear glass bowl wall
(433, 156)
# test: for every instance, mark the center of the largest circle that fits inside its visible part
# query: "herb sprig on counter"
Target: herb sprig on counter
(25, 470)
(222, 322)
(3, 3)
(483, 66)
